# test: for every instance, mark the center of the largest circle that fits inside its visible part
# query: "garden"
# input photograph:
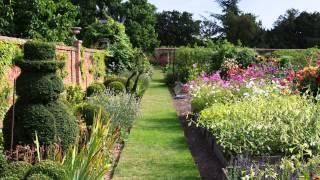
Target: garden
(260, 112)
(114, 89)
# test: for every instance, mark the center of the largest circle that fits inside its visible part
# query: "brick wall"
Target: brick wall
(74, 55)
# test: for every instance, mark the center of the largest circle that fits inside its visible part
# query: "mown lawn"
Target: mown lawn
(156, 148)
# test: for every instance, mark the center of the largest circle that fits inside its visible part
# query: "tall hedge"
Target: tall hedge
(38, 109)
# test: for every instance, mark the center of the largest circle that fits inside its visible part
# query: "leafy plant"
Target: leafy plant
(74, 94)
(123, 109)
(264, 125)
(93, 160)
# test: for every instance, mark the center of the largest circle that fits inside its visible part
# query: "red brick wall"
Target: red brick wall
(73, 54)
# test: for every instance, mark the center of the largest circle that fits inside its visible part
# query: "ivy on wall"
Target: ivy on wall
(63, 72)
(99, 67)
(8, 52)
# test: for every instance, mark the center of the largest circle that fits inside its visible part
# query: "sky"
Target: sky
(267, 11)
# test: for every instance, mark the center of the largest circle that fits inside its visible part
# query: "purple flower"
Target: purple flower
(194, 65)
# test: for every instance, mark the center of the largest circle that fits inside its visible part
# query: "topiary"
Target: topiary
(39, 177)
(37, 51)
(15, 170)
(50, 169)
(117, 87)
(95, 88)
(123, 80)
(38, 109)
(89, 111)
(45, 87)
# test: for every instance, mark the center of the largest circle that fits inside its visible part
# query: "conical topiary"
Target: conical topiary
(38, 108)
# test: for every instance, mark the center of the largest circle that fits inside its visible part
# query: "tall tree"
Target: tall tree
(237, 25)
(140, 21)
(295, 30)
(177, 29)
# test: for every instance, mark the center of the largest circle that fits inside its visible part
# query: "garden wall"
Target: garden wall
(78, 62)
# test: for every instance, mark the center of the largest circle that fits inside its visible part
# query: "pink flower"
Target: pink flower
(194, 65)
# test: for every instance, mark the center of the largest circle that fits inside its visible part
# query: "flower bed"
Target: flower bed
(260, 111)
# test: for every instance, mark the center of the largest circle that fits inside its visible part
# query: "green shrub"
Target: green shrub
(39, 87)
(95, 88)
(39, 177)
(264, 125)
(38, 109)
(53, 123)
(186, 57)
(123, 80)
(122, 108)
(297, 58)
(89, 111)
(40, 66)
(93, 160)
(35, 51)
(170, 79)
(143, 84)
(51, 169)
(117, 87)
(74, 94)
(15, 170)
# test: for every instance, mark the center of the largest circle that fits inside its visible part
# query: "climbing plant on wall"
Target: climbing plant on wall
(8, 52)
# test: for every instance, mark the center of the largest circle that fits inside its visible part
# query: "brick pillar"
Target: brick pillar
(78, 61)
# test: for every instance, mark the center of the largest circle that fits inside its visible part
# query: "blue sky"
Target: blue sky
(267, 10)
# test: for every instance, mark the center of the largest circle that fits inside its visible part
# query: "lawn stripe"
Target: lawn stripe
(156, 148)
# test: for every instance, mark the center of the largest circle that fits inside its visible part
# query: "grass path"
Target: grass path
(156, 148)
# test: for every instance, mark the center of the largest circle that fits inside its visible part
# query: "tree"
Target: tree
(237, 25)
(208, 29)
(48, 20)
(295, 30)
(140, 20)
(118, 42)
(90, 10)
(177, 29)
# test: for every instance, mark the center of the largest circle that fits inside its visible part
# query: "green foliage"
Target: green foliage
(90, 111)
(36, 50)
(38, 109)
(8, 52)
(242, 55)
(95, 88)
(123, 80)
(15, 170)
(98, 65)
(49, 169)
(40, 66)
(119, 45)
(117, 87)
(186, 57)
(38, 177)
(39, 87)
(177, 29)
(140, 24)
(122, 108)
(297, 58)
(93, 160)
(284, 36)
(53, 123)
(264, 125)
(47, 20)
(74, 94)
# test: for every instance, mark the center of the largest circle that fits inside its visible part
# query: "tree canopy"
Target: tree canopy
(177, 29)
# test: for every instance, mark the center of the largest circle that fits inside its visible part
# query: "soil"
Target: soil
(209, 166)
(116, 155)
